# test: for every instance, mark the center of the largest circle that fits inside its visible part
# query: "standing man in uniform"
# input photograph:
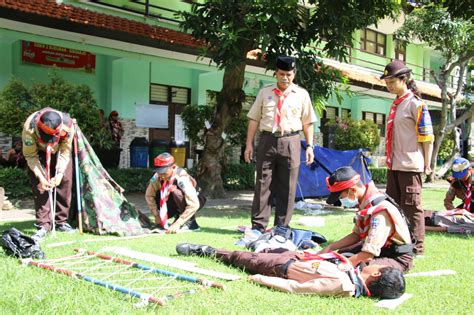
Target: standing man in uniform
(47, 142)
(280, 112)
(409, 145)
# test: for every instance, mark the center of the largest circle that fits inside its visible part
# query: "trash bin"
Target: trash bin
(139, 152)
(178, 151)
(156, 148)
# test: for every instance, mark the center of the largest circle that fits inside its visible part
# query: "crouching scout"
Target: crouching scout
(461, 186)
(173, 193)
(328, 274)
(380, 235)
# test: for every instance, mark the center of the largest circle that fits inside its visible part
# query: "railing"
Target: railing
(419, 73)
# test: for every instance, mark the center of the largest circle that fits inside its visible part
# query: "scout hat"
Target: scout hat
(163, 162)
(342, 178)
(286, 63)
(49, 126)
(394, 69)
(460, 167)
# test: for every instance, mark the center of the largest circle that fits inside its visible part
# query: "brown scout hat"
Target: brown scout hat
(394, 69)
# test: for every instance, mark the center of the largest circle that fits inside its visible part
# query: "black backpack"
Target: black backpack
(19, 245)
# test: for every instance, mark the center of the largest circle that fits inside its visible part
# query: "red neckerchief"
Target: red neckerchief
(468, 195)
(281, 99)
(167, 187)
(391, 117)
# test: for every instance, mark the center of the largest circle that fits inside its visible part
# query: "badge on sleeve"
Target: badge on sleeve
(28, 142)
(154, 178)
(374, 223)
(316, 264)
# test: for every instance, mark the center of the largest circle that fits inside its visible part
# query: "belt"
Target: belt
(278, 134)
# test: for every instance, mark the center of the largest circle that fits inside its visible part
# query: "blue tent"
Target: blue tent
(312, 178)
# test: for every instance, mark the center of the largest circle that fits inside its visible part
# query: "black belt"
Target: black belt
(279, 134)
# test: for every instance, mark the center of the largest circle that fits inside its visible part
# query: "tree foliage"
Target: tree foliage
(350, 134)
(17, 102)
(229, 29)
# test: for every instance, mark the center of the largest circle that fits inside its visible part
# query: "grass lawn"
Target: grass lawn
(28, 290)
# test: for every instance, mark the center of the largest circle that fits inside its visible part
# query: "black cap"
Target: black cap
(286, 63)
(394, 69)
(342, 174)
(51, 119)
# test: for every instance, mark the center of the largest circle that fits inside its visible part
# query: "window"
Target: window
(328, 114)
(345, 113)
(373, 42)
(400, 50)
(175, 98)
(377, 118)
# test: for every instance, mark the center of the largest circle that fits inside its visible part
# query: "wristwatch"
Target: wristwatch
(310, 146)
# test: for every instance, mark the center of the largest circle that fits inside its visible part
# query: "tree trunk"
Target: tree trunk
(441, 132)
(229, 105)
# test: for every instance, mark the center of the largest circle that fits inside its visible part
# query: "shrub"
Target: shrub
(16, 182)
(239, 176)
(379, 174)
(17, 102)
(446, 147)
(350, 134)
(132, 179)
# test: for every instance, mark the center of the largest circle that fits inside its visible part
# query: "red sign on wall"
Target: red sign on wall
(48, 55)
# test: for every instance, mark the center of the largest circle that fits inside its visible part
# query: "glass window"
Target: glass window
(373, 42)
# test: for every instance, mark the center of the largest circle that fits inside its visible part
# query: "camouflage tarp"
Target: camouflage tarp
(105, 209)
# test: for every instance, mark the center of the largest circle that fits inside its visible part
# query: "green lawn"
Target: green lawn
(28, 290)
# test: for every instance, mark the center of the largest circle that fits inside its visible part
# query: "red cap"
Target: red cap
(162, 162)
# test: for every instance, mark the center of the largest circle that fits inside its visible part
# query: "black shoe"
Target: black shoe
(187, 249)
(40, 234)
(190, 226)
(65, 228)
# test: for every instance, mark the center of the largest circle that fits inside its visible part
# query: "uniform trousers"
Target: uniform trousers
(405, 189)
(63, 194)
(273, 263)
(278, 162)
(176, 203)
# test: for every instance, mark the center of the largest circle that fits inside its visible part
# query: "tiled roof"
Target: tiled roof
(84, 17)
(356, 74)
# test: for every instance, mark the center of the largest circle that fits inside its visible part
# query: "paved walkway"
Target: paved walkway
(25, 210)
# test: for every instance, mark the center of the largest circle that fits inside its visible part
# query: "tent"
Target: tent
(312, 178)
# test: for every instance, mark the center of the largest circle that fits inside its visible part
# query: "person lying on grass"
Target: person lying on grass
(380, 235)
(329, 274)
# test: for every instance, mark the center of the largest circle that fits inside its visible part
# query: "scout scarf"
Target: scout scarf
(353, 273)
(167, 187)
(279, 118)
(468, 197)
(391, 117)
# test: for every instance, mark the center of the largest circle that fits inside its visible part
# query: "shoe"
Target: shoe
(187, 249)
(190, 226)
(65, 228)
(40, 234)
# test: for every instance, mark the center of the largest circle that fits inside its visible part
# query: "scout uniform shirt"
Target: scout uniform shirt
(184, 182)
(311, 276)
(412, 121)
(382, 228)
(297, 109)
(32, 144)
(457, 189)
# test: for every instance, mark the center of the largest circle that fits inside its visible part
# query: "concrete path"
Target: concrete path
(25, 209)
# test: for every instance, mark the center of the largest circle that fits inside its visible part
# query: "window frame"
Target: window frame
(364, 40)
(383, 126)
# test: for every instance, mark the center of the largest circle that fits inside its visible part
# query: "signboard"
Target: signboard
(55, 56)
(152, 116)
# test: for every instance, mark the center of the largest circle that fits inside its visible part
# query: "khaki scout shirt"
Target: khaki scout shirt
(311, 276)
(297, 108)
(456, 189)
(382, 229)
(406, 146)
(185, 183)
(31, 145)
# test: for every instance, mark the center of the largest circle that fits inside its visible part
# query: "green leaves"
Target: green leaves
(350, 134)
(17, 102)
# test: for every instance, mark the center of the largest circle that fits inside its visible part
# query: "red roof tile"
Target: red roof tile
(72, 14)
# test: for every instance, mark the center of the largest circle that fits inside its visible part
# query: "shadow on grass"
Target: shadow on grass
(26, 227)
(236, 213)
(220, 231)
(449, 235)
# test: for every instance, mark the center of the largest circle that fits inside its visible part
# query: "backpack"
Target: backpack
(17, 244)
